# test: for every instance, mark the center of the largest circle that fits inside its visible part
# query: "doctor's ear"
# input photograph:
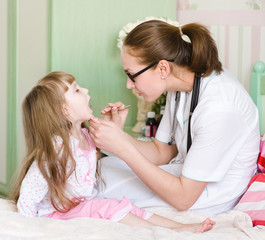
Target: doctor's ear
(164, 68)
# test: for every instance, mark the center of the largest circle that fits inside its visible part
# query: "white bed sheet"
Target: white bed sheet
(230, 226)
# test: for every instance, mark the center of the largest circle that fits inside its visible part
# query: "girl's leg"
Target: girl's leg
(133, 220)
(156, 220)
(180, 227)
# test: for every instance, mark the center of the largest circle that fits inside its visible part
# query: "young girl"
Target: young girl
(59, 172)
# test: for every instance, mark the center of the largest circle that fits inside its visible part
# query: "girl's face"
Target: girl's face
(149, 83)
(77, 104)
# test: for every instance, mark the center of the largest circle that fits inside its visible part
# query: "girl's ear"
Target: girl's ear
(65, 110)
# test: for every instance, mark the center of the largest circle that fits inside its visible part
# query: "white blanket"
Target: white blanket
(234, 225)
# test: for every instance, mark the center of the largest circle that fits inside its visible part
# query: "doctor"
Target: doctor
(208, 139)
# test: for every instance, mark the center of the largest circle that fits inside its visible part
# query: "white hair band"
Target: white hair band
(184, 36)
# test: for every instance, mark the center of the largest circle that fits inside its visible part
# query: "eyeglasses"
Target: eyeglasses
(132, 77)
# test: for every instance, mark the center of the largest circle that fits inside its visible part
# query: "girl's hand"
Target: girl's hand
(107, 135)
(116, 113)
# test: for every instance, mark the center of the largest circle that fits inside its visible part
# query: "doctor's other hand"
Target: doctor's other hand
(107, 135)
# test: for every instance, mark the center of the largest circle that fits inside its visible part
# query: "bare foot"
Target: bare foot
(206, 226)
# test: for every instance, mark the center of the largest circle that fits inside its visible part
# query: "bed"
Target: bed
(232, 225)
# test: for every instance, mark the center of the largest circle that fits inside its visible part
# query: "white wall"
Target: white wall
(31, 18)
(32, 53)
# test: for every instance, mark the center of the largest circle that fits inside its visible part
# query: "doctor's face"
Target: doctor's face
(148, 84)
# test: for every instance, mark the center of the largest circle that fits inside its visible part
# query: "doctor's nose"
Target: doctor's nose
(130, 84)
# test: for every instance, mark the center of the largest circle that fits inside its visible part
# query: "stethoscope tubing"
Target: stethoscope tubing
(194, 102)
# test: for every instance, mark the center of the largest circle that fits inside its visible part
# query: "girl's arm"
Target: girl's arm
(33, 189)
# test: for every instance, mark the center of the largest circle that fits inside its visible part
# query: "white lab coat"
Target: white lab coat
(225, 146)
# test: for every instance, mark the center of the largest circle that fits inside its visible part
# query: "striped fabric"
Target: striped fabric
(253, 201)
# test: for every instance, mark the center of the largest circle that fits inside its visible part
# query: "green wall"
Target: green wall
(84, 43)
(82, 37)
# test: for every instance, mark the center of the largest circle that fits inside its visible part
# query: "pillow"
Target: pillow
(253, 201)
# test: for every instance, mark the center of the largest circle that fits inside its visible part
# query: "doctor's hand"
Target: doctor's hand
(116, 113)
(107, 135)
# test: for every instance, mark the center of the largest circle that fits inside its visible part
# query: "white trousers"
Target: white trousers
(121, 181)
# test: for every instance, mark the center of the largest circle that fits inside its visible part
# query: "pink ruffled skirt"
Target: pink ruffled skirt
(103, 208)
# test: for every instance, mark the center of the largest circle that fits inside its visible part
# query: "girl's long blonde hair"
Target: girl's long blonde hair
(43, 119)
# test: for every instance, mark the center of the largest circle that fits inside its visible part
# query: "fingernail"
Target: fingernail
(94, 118)
(114, 109)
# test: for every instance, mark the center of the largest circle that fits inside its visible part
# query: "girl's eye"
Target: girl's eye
(77, 90)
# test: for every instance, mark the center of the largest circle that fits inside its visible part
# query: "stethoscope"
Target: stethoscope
(194, 102)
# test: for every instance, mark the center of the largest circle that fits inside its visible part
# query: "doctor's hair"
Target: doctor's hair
(156, 40)
(44, 123)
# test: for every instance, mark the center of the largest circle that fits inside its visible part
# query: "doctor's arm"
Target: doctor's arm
(157, 152)
(109, 136)
(143, 159)
(180, 192)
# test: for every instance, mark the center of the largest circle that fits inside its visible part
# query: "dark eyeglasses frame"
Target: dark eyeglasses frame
(132, 77)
